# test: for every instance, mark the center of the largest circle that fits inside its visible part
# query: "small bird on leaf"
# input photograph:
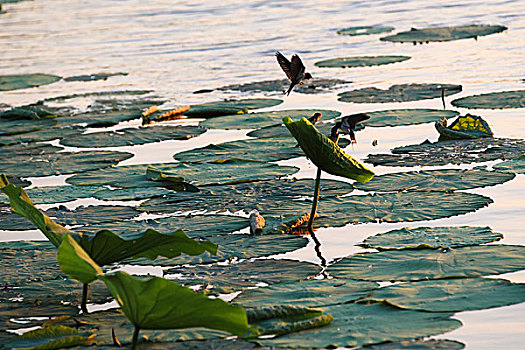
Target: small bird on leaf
(294, 70)
(347, 126)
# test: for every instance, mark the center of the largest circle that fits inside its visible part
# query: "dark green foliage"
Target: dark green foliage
(360, 61)
(494, 100)
(399, 93)
(23, 81)
(412, 116)
(318, 85)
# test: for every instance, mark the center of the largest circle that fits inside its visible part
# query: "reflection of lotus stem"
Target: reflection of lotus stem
(316, 200)
(135, 337)
(85, 292)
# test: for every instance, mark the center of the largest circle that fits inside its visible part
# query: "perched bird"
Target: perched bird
(294, 70)
(314, 118)
(347, 126)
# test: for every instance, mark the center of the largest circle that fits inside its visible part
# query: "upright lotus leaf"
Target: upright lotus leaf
(444, 33)
(417, 344)
(23, 81)
(157, 303)
(324, 153)
(263, 119)
(464, 127)
(228, 107)
(493, 100)
(360, 61)
(411, 116)
(134, 136)
(435, 180)
(399, 93)
(364, 30)
(317, 85)
(515, 166)
(423, 264)
(75, 262)
(456, 295)
(444, 237)
(94, 76)
(53, 337)
(362, 324)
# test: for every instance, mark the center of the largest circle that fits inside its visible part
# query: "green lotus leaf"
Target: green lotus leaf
(149, 304)
(451, 152)
(53, 337)
(282, 131)
(435, 180)
(423, 264)
(317, 85)
(171, 182)
(134, 136)
(57, 194)
(412, 116)
(103, 117)
(361, 324)
(90, 214)
(206, 344)
(464, 127)
(243, 275)
(360, 61)
(97, 94)
(9, 127)
(418, 344)
(444, 33)
(493, 100)
(229, 107)
(515, 166)
(324, 153)
(398, 93)
(92, 77)
(27, 113)
(458, 294)
(123, 194)
(24, 81)
(46, 134)
(228, 172)
(444, 237)
(75, 262)
(364, 30)
(312, 293)
(263, 119)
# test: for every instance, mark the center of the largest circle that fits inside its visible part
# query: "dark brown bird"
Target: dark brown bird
(314, 118)
(294, 70)
(347, 126)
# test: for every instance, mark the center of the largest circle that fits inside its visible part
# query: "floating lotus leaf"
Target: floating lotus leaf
(228, 107)
(95, 76)
(432, 237)
(435, 180)
(27, 113)
(123, 194)
(415, 265)
(98, 94)
(215, 344)
(228, 172)
(458, 294)
(311, 293)
(134, 136)
(282, 131)
(53, 337)
(412, 116)
(360, 61)
(11, 221)
(450, 152)
(430, 344)
(18, 181)
(10, 127)
(364, 30)
(47, 134)
(102, 118)
(444, 33)
(464, 127)
(317, 85)
(243, 275)
(263, 119)
(23, 81)
(516, 166)
(361, 324)
(398, 93)
(494, 100)
(57, 194)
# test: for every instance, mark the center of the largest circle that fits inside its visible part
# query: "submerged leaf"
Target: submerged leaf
(399, 93)
(444, 33)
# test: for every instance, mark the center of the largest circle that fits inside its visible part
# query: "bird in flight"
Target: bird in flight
(294, 70)
(347, 126)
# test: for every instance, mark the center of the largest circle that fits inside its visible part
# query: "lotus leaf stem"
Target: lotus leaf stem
(135, 338)
(316, 200)
(85, 293)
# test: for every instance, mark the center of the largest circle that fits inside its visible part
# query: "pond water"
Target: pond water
(176, 47)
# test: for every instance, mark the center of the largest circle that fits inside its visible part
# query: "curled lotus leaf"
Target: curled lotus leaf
(317, 85)
(229, 107)
(452, 295)
(423, 264)
(399, 93)
(464, 127)
(444, 33)
(493, 100)
(412, 116)
(360, 61)
(516, 166)
(364, 30)
(24, 81)
(444, 237)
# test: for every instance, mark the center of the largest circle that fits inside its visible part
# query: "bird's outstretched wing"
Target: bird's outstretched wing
(297, 68)
(285, 65)
(350, 121)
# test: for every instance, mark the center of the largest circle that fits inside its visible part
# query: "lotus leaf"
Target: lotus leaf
(432, 237)
(134, 136)
(516, 166)
(53, 337)
(451, 152)
(282, 131)
(215, 344)
(23, 81)
(76, 262)
(312, 293)
(243, 275)
(95, 76)
(169, 181)
(263, 119)
(100, 94)
(361, 324)
(317, 85)
(232, 171)
(412, 116)
(464, 127)
(494, 100)
(415, 265)
(360, 61)
(458, 294)
(364, 30)
(12, 222)
(430, 344)
(102, 118)
(123, 194)
(57, 194)
(444, 33)
(18, 181)
(26, 113)
(435, 180)
(9, 127)
(228, 107)
(399, 93)
(47, 134)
